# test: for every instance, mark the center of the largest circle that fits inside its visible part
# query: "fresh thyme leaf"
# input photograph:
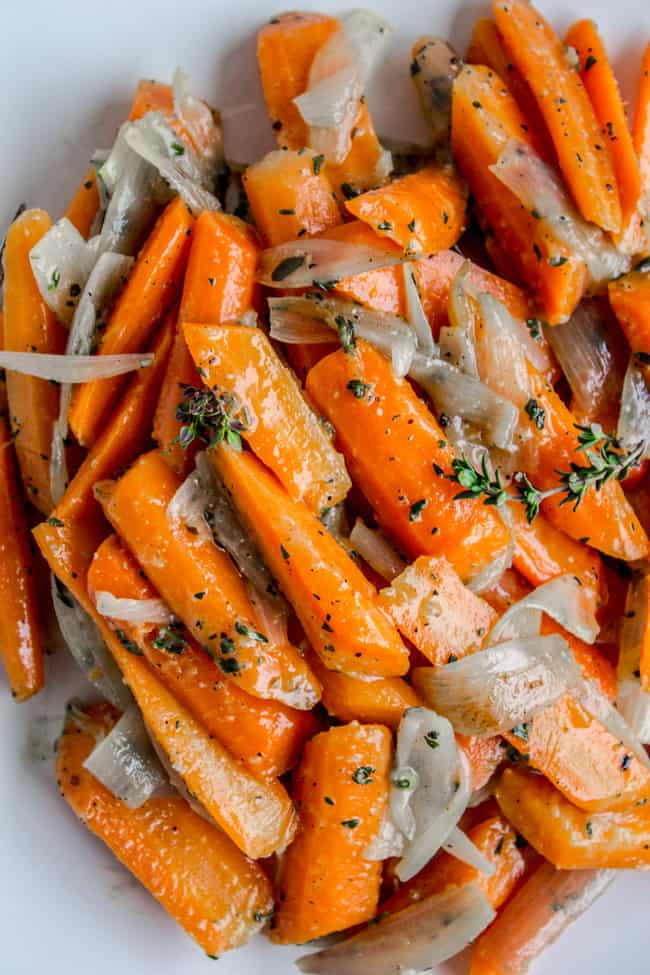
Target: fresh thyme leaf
(170, 638)
(345, 328)
(210, 416)
(287, 267)
(536, 413)
(363, 775)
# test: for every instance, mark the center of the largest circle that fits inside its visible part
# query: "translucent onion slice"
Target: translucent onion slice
(632, 701)
(593, 699)
(500, 687)
(375, 549)
(500, 353)
(410, 941)
(335, 520)
(199, 121)
(176, 782)
(73, 368)
(61, 262)
(490, 574)
(138, 611)
(458, 340)
(320, 262)
(389, 842)
(437, 66)
(132, 207)
(634, 417)
(189, 505)
(563, 599)
(539, 189)
(415, 313)
(125, 762)
(460, 846)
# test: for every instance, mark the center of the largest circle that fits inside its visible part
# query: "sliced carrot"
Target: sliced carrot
(30, 326)
(21, 647)
(341, 790)
(304, 357)
(180, 372)
(432, 608)
(641, 123)
(629, 296)
(82, 208)
(197, 874)
(571, 838)
(602, 88)
(151, 96)
(484, 756)
(382, 701)
(593, 663)
(485, 117)
(424, 211)
(201, 585)
(333, 600)
(265, 735)
(127, 432)
(390, 441)
(285, 50)
(363, 166)
(381, 290)
(150, 290)
(283, 430)
(583, 155)
(290, 195)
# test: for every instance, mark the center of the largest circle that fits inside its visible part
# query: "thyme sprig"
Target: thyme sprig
(210, 416)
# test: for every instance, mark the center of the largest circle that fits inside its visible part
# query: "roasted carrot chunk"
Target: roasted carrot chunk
(484, 756)
(82, 208)
(364, 166)
(151, 96)
(341, 790)
(629, 296)
(282, 429)
(180, 372)
(198, 875)
(382, 290)
(641, 123)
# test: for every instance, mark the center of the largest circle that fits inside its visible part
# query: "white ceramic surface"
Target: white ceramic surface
(67, 71)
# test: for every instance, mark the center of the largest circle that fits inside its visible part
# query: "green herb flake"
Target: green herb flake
(499, 847)
(55, 522)
(589, 829)
(589, 62)
(178, 149)
(384, 225)
(170, 638)
(287, 267)
(247, 631)
(411, 226)
(230, 665)
(199, 595)
(431, 739)
(286, 212)
(521, 731)
(283, 552)
(348, 191)
(416, 509)
(536, 413)
(210, 416)
(54, 280)
(557, 261)
(350, 823)
(534, 326)
(363, 775)
(317, 164)
(358, 388)
(128, 644)
(347, 336)
(328, 801)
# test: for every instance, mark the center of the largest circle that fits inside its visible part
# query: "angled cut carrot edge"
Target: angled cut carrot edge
(82, 208)
(366, 164)
(180, 372)
(641, 122)
(629, 297)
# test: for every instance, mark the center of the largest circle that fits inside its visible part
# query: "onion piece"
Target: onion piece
(632, 701)
(487, 577)
(500, 353)
(415, 313)
(133, 204)
(413, 940)
(389, 842)
(437, 66)
(87, 647)
(495, 689)
(460, 846)
(73, 368)
(539, 189)
(375, 549)
(199, 121)
(137, 611)
(320, 262)
(634, 417)
(125, 763)
(61, 262)
(563, 599)
(593, 699)
(176, 782)
(189, 504)
(458, 340)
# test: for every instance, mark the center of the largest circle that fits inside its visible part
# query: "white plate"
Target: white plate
(67, 72)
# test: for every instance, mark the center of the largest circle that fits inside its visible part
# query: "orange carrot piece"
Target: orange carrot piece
(390, 441)
(151, 96)
(479, 134)
(571, 838)
(82, 208)
(584, 158)
(285, 50)
(290, 195)
(283, 430)
(381, 290)
(30, 326)
(127, 432)
(602, 88)
(201, 585)
(333, 600)
(432, 608)
(362, 167)
(302, 358)
(424, 211)
(484, 756)
(629, 296)
(591, 659)
(265, 735)
(149, 291)
(68, 548)
(341, 790)
(21, 647)
(197, 874)
(180, 372)
(641, 123)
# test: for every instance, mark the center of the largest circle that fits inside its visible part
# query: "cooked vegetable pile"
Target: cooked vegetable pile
(339, 467)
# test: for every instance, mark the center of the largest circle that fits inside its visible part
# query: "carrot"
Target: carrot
(302, 358)
(333, 600)
(283, 430)
(381, 290)
(601, 85)
(364, 165)
(484, 756)
(20, 637)
(151, 96)
(347, 698)
(30, 326)
(290, 195)
(432, 608)
(424, 211)
(201, 585)
(127, 432)
(196, 873)
(180, 372)
(641, 122)
(636, 621)
(485, 117)
(150, 290)
(341, 790)
(570, 838)
(82, 208)
(584, 158)
(265, 735)
(535, 917)
(591, 659)
(390, 441)
(68, 547)
(629, 297)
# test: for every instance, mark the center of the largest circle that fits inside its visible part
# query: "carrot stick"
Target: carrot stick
(283, 430)
(390, 441)
(180, 372)
(201, 585)
(341, 790)
(485, 117)
(432, 608)
(333, 600)
(583, 155)
(424, 211)
(629, 296)
(82, 208)
(265, 735)
(197, 874)
(363, 167)
(290, 195)
(149, 291)
(151, 96)
(641, 123)
(569, 837)
(20, 637)
(381, 290)
(30, 326)
(302, 358)
(127, 432)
